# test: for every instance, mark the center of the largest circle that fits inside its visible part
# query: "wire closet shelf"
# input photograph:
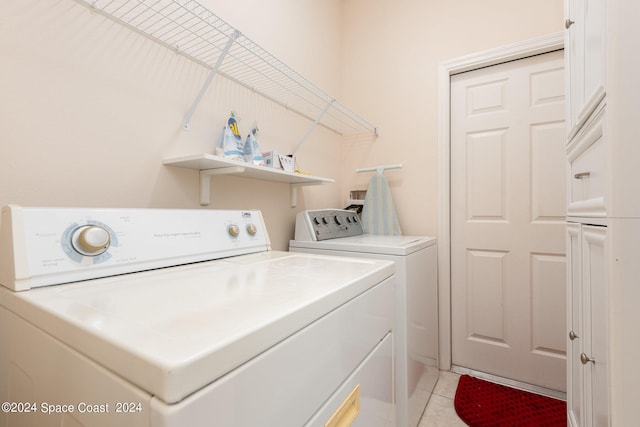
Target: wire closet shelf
(192, 30)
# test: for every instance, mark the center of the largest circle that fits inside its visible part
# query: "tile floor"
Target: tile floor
(440, 411)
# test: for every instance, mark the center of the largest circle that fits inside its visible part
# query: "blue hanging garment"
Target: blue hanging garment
(378, 213)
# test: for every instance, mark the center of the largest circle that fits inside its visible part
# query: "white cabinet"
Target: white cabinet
(585, 21)
(589, 150)
(603, 241)
(588, 320)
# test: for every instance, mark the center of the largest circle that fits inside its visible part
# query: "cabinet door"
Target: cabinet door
(574, 60)
(575, 371)
(587, 370)
(596, 321)
(585, 40)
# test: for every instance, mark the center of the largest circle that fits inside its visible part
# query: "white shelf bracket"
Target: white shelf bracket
(205, 181)
(313, 125)
(187, 118)
(294, 194)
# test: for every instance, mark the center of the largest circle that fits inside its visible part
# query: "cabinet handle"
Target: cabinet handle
(568, 22)
(585, 359)
(582, 175)
(572, 335)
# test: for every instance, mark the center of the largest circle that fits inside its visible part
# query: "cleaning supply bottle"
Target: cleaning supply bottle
(230, 143)
(252, 152)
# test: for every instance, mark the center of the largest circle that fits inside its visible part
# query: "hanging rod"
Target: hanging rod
(379, 169)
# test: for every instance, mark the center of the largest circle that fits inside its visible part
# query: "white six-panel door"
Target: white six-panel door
(508, 287)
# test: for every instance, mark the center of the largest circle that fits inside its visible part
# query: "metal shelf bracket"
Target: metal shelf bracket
(214, 70)
(313, 125)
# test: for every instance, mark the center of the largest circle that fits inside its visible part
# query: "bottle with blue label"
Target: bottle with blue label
(252, 152)
(230, 143)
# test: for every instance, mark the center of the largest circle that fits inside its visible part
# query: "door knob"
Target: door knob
(568, 22)
(585, 359)
(572, 335)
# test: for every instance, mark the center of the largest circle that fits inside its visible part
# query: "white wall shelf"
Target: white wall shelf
(210, 165)
(192, 30)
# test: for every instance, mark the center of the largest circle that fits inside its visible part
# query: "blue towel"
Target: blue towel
(378, 213)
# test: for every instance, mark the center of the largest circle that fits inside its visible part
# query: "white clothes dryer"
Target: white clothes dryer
(340, 232)
(172, 318)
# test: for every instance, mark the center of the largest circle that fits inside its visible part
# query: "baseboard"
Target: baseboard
(511, 383)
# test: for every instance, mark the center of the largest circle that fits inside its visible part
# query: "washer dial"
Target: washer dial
(91, 240)
(252, 229)
(233, 230)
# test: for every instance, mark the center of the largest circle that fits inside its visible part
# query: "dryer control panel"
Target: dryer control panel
(324, 224)
(48, 246)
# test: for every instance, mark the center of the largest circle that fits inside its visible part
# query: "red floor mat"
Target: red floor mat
(481, 403)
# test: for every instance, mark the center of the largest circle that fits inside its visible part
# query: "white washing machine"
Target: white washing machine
(339, 232)
(112, 317)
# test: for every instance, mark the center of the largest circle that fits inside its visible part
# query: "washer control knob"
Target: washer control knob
(233, 230)
(337, 218)
(324, 220)
(316, 221)
(252, 229)
(91, 240)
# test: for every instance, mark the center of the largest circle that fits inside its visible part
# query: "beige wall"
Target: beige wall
(88, 108)
(391, 55)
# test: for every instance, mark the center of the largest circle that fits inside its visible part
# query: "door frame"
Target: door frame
(446, 69)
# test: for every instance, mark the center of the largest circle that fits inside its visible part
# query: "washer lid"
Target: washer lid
(172, 331)
(370, 243)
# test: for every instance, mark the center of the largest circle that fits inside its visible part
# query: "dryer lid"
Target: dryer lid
(173, 331)
(370, 243)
